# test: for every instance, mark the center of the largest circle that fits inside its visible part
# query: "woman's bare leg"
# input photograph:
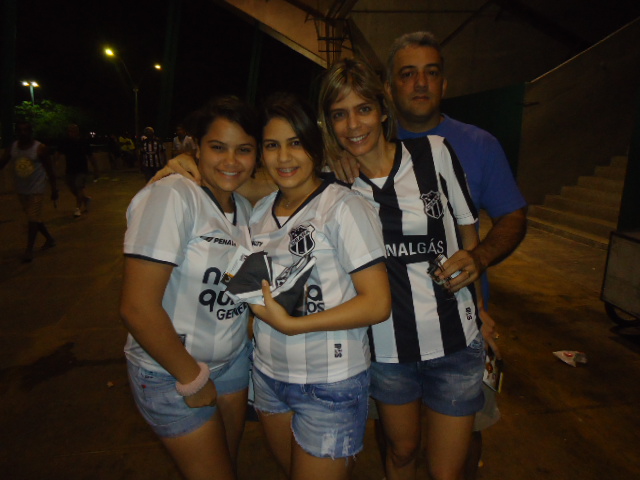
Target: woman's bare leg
(203, 454)
(447, 445)
(305, 466)
(233, 408)
(401, 426)
(277, 430)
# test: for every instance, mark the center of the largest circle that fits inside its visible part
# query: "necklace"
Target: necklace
(287, 203)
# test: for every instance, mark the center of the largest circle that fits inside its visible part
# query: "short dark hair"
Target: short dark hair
(302, 118)
(230, 108)
(413, 39)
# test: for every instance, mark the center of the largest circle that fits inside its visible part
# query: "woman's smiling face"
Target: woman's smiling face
(227, 156)
(357, 123)
(284, 157)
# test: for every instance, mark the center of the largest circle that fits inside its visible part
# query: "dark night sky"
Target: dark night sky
(60, 45)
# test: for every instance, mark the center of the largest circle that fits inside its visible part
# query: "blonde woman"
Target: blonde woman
(430, 351)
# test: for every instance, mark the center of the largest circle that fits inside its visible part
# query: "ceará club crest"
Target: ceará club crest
(302, 242)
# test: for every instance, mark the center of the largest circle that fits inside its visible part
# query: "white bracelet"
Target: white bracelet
(197, 384)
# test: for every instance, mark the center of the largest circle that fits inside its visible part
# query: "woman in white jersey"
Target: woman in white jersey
(311, 367)
(430, 351)
(188, 350)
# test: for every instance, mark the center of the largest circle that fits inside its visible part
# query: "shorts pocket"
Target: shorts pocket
(158, 399)
(340, 395)
(153, 384)
(477, 345)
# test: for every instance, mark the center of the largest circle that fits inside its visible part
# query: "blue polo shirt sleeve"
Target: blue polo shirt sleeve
(499, 194)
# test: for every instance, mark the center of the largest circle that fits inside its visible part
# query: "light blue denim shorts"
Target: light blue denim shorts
(329, 418)
(450, 385)
(159, 403)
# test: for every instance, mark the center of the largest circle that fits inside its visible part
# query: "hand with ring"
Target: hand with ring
(462, 261)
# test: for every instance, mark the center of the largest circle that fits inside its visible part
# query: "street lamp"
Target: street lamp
(31, 84)
(110, 53)
(134, 86)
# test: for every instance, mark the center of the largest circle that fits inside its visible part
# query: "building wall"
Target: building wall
(579, 115)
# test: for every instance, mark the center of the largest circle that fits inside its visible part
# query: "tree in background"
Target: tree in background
(50, 119)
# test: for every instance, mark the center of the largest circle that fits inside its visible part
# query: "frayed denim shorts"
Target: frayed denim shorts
(450, 385)
(329, 419)
(169, 416)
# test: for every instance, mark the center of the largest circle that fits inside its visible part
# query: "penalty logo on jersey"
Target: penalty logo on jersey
(432, 204)
(302, 242)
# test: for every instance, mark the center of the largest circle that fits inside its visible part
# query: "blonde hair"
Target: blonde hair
(358, 76)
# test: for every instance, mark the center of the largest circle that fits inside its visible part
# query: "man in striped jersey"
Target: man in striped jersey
(152, 154)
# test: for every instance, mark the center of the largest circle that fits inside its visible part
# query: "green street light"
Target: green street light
(31, 84)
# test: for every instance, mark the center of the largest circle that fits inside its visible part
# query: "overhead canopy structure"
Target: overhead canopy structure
(487, 43)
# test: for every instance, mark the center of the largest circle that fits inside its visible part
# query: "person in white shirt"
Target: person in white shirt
(311, 367)
(188, 349)
(182, 143)
(32, 168)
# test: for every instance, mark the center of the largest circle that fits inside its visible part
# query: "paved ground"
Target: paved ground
(67, 412)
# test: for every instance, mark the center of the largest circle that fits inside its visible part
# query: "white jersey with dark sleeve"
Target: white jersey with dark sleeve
(419, 205)
(342, 231)
(174, 221)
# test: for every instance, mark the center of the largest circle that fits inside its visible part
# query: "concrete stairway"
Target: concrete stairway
(588, 211)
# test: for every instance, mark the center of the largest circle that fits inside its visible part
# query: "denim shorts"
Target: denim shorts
(329, 418)
(169, 416)
(450, 385)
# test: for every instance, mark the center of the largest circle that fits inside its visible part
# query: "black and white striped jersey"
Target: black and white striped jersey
(151, 150)
(420, 203)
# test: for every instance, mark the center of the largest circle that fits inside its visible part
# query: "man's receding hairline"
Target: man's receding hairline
(415, 45)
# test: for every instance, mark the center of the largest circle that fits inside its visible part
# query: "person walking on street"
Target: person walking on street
(78, 155)
(32, 168)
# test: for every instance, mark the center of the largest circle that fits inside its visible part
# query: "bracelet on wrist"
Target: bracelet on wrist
(197, 384)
